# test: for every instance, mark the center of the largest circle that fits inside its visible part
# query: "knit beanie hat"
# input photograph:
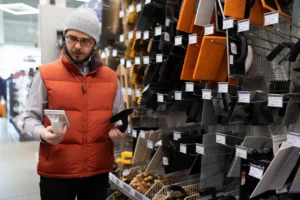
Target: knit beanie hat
(84, 20)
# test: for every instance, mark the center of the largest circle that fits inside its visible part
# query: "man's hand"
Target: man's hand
(52, 138)
(116, 135)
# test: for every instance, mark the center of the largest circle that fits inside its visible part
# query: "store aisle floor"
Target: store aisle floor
(18, 160)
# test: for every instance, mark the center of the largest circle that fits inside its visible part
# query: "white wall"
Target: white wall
(51, 19)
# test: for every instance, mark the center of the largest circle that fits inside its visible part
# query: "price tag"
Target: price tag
(189, 87)
(271, 18)
(121, 13)
(147, 2)
(233, 48)
(231, 59)
(165, 161)
(137, 92)
(127, 188)
(129, 91)
(143, 134)
(159, 58)
(122, 61)
(256, 171)
(243, 25)
(182, 148)
(193, 39)
(111, 177)
(209, 29)
(228, 23)
(275, 100)
(103, 55)
(178, 40)
(138, 35)
(168, 22)
(132, 191)
(160, 98)
(138, 7)
(150, 144)
(115, 53)
(107, 52)
(128, 63)
(176, 135)
(206, 94)
(119, 182)
(134, 133)
(221, 138)
(146, 60)
(158, 31)
(122, 38)
(223, 87)
(131, 8)
(123, 90)
(200, 149)
(241, 152)
(137, 60)
(146, 35)
(130, 35)
(137, 195)
(244, 97)
(293, 139)
(167, 37)
(178, 96)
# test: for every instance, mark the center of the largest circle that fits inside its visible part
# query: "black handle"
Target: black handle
(243, 49)
(124, 126)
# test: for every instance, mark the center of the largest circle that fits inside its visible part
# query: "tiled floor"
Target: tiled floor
(19, 180)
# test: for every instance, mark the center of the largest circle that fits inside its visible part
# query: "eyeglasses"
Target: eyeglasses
(83, 42)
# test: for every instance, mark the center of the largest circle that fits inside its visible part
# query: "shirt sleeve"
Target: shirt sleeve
(118, 105)
(37, 102)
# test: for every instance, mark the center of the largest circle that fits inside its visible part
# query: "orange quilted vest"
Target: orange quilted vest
(86, 149)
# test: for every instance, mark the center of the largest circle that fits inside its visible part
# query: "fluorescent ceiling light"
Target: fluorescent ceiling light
(86, 1)
(18, 9)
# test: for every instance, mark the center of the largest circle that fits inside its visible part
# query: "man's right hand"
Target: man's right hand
(52, 138)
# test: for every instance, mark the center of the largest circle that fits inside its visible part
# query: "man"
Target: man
(76, 161)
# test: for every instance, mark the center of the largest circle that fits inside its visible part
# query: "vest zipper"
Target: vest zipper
(84, 124)
(83, 88)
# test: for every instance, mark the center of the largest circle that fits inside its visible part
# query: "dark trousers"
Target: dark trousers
(90, 188)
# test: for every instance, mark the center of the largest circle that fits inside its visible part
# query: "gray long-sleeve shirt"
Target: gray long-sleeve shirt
(38, 101)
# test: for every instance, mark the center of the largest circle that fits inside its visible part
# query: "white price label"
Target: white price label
(159, 58)
(122, 38)
(150, 144)
(256, 171)
(137, 92)
(130, 35)
(131, 8)
(228, 23)
(233, 48)
(123, 90)
(121, 13)
(241, 152)
(107, 52)
(193, 39)
(115, 53)
(221, 138)
(167, 37)
(138, 195)
(182, 148)
(103, 55)
(134, 133)
(158, 31)
(138, 7)
(206, 94)
(146, 60)
(122, 61)
(111, 177)
(129, 91)
(137, 60)
(146, 35)
(178, 96)
(165, 161)
(189, 87)
(209, 29)
(244, 97)
(200, 149)
(223, 87)
(127, 188)
(147, 2)
(178, 40)
(160, 98)
(143, 134)
(275, 100)
(168, 22)
(271, 18)
(231, 59)
(176, 135)
(128, 63)
(132, 192)
(293, 139)
(138, 35)
(243, 25)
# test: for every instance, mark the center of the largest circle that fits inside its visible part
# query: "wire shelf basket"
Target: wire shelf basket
(133, 172)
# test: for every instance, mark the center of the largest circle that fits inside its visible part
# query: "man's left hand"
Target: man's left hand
(116, 135)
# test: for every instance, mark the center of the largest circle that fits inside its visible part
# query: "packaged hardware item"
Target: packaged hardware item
(58, 119)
